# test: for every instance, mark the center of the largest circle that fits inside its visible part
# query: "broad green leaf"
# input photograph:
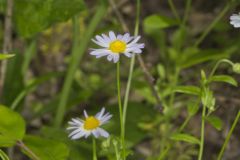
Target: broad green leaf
(179, 37)
(185, 137)
(46, 149)
(12, 127)
(3, 156)
(156, 22)
(188, 90)
(62, 10)
(215, 121)
(6, 56)
(81, 149)
(33, 16)
(225, 78)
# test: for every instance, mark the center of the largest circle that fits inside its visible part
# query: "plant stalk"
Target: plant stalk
(200, 154)
(120, 110)
(228, 136)
(94, 148)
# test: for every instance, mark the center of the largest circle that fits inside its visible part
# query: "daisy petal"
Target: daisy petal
(110, 57)
(134, 41)
(85, 113)
(112, 35)
(100, 114)
(103, 133)
(115, 58)
(100, 43)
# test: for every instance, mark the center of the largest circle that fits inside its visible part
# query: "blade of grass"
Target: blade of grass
(77, 52)
(28, 55)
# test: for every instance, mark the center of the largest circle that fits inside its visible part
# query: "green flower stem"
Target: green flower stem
(125, 104)
(172, 6)
(94, 148)
(3, 156)
(27, 150)
(217, 65)
(200, 154)
(228, 136)
(184, 123)
(120, 109)
(186, 13)
(210, 27)
(77, 52)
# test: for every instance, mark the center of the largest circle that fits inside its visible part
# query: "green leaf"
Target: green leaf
(185, 137)
(3, 156)
(12, 127)
(188, 90)
(41, 14)
(6, 56)
(31, 16)
(215, 121)
(46, 149)
(225, 78)
(81, 150)
(62, 10)
(205, 55)
(156, 22)
(13, 83)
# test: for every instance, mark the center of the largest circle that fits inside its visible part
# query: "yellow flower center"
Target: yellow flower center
(117, 46)
(91, 123)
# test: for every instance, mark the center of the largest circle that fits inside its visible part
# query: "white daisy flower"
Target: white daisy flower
(114, 45)
(235, 20)
(90, 126)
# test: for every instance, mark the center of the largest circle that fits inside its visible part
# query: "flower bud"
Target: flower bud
(236, 68)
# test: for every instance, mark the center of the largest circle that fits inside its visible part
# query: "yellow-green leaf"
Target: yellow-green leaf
(6, 56)
(225, 78)
(185, 137)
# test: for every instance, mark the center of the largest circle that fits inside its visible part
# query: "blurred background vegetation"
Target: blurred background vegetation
(46, 34)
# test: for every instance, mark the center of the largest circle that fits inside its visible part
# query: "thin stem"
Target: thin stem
(186, 13)
(172, 6)
(122, 22)
(28, 150)
(116, 152)
(210, 27)
(229, 135)
(94, 148)
(77, 53)
(200, 154)
(125, 104)
(7, 42)
(120, 110)
(184, 123)
(217, 64)
(3, 156)
(150, 79)
(173, 85)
